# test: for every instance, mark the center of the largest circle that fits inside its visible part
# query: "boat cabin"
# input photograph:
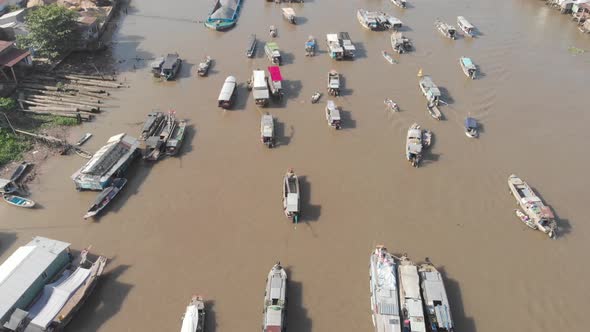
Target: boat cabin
(471, 127)
(170, 66)
(289, 15)
(346, 44)
(468, 67)
(333, 114)
(273, 53)
(374, 20)
(465, 26)
(430, 90)
(335, 50)
(259, 88)
(276, 81)
(334, 83)
(267, 130)
(228, 92)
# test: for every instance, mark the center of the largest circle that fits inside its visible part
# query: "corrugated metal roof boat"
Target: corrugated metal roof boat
(274, 314)
(375, 20)
(436, 302)
(259, 86)
(267, 130)
(228, 92)
(400, 43)
(416, 141)
(533, 206)
(273, 53)
(333, 83)
(384, 290)
(224, 14)
(169, 66)
(193, 319)
(347, 46)
(335, 49)
(291, 195)
(175, 142)
(107, 163)
(333, 115)
(409, 296)
(445, 29)
(429, 90)
(275, 83)
(203, 68)
(468, 67)
(466, 26)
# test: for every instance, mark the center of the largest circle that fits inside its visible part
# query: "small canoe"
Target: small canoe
(83, 139)
(251, 50)
(105, 197)
(434, 111)
(18, 201)
(316, 97)
(19, 171)
(388, 57)
(82, 153)
(203, 68)
(391, 105)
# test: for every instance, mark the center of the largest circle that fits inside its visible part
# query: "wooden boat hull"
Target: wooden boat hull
(275, 300)
(388, 57)
(84, 138)
(251, 51)
(410, 298)
(291, 196)
(539, 213)
(434, 111)
(19, 171)
(220, 26)
(436, 302)
(18, 201)
(106, 197)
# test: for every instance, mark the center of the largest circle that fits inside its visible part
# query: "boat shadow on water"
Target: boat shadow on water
(462, 323)
(6, 241)
(287, 58)
(360, 53)
(210, 319)
(132, 58)
(347, 121)
(242, 97)
(186, 70)
(446, 96)
(292, 89)
(297, 318)
(309, 212)
(104, 302)
(344, 90)
(281, 135)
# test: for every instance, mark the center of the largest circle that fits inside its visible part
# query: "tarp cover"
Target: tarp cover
(275, 73)
(470, 123)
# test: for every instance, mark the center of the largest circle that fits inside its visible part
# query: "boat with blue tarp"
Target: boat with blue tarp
(310, 45)
(18, 201)
(224, 15)
(468, 67)
(471, 128)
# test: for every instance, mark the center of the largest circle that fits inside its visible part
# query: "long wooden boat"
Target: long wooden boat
(204, 66)
(274, 314)
(384, 287)
(193, 319)
(267, 130)
(532, 205)
(469, 68)
(434, 111)
(251, 50)
(291, 195)
(224, 14)
(467, 27)
(436, 302)
(18, 201)
(409, 296)
(83, 139)
(105, 197)
(445, 29)
(388, 57)
(175, 142)
(19, 171)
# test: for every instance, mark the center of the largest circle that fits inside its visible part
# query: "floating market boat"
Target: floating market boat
(57, 303)
(333, 83)
(409, 296)
(193, 319)
(436, 302)
(19, 171)
(388, 57)
(471, 129)
(267, 130)
(434, 111)
(416, 141)
(400, 43)
(18, 201)
(275, 82)
(291, 195)
(335, 49)
(391, 105)
(374, 20)
(333, 115)
(203, 68)
(532, 205)
(106, 197)
(228, 92)
(156, 144)
(224, 14)
(251, 50)
(310, 46)
(273, 53)
(468, 67)
(167, 67)
(467, 27)
(274, 314)
(445, 29)
(399, 3)
(83, 139)
(316, 97)
(273, 31)
(175, 142)
(259, 86)
(348, 48)
(383, 286)
(289, 15)
(429, 90)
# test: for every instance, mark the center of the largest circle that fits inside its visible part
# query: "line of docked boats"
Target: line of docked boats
(405, 296)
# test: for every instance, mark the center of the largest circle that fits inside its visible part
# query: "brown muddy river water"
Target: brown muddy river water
(210, 221)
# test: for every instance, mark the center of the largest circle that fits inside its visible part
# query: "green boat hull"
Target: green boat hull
(220, 26)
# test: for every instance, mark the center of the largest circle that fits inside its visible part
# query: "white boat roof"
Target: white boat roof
(55, 296)
(332, 37)
(289, 11)
(191, 319)
(274, 315)
(384, 287)
(292, 202)
(410, 280)
(335, 114)
(462, 21)
(259, 77)
(227, 89)
(267, 125)
(416, 313)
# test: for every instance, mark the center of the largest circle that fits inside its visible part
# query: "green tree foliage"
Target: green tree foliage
(7, 104)
(11, 147)
(52, 31)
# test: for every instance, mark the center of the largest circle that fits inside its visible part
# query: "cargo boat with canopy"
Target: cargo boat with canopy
(275, 82)
(384, 288)
(436, 302)
(193, 319)
(291, 195)
(224, 15)
(532, 205)
(274, 314)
